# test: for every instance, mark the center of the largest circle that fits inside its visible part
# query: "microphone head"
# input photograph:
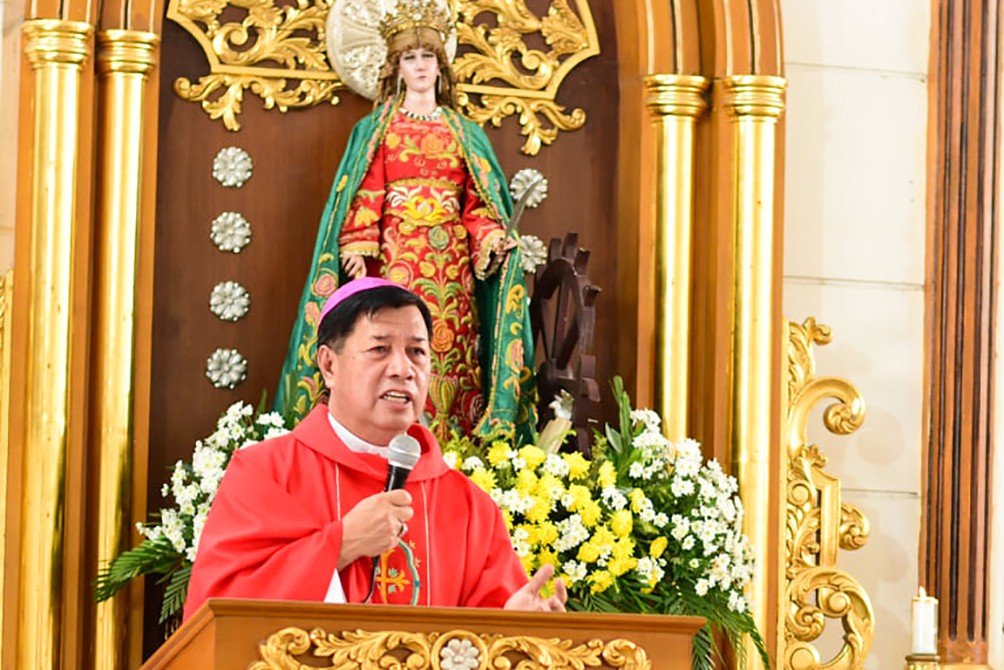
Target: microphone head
(403, 451)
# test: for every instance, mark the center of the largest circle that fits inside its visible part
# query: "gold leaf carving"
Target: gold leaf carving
(817, 523)
(264, 45)
(289, 648)
(221, 95)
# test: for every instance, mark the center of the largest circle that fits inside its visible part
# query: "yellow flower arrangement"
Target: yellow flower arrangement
(641, 525)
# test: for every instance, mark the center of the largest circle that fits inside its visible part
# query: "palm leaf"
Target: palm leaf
(150, 557)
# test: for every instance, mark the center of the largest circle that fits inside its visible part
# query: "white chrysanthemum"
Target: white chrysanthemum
(232, 167)
(648, 417)
(556, 465)
(226, 368)
(576, 571)
(649, 570)
(681, 486)
(701, 587)
(571, 533)
(452, 459)
(473, 462)
(613, 498)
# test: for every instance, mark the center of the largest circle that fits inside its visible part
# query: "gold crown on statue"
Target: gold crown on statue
(414, 14)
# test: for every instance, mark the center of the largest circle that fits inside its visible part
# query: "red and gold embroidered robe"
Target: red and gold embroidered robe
(420, 221)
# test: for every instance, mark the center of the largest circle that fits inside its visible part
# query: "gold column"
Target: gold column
(6, 300)
(676, 101)
(754, 104)
(57, 51)
(124, 59)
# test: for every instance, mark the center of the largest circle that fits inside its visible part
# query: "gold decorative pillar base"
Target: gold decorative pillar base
(676, 101)
(922, 662)
(124, 60)
(754, 104)
(57, 51)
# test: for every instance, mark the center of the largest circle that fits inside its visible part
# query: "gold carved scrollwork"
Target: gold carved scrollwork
(265, 46)
(817, 523)
(456, 648)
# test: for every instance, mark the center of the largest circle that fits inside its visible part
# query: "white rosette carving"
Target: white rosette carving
(229, 301)
(226, 368)
(459, 654)
(230, 231)
(531, 179)
(232, 167)
(533, 252)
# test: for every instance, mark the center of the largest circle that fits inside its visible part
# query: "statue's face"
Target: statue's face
(379, 378)
(419, 68)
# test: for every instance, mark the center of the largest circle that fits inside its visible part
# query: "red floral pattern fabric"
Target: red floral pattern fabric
(420, 222)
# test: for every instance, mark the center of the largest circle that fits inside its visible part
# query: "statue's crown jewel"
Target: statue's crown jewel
(414, 14)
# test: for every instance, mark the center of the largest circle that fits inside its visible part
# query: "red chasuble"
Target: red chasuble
(275, 531)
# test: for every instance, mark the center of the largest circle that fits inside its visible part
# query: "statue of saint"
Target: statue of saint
(420, 199)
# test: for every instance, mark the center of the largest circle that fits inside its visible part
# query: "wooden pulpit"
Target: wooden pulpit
(267, 635)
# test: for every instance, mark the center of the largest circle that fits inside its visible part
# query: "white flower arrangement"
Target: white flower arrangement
(170, 546)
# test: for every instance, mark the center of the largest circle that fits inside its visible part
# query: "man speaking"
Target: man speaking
(305, 516)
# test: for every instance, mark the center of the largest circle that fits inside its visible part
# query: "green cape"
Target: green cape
(506, 348)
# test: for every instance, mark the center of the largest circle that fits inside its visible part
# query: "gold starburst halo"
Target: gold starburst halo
(355, 32)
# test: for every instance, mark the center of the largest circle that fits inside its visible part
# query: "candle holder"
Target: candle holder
(923, 662)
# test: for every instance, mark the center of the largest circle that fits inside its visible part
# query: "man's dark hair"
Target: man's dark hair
(339, 323)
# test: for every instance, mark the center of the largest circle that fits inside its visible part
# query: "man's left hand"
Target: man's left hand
(529, 599)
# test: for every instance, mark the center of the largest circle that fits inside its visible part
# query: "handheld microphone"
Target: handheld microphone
(402, 455)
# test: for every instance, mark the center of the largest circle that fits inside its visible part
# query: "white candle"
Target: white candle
(924, 624)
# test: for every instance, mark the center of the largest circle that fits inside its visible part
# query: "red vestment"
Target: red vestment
(275, 530)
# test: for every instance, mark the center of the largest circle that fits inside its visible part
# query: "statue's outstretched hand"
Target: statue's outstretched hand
(529, 599)
(354, 264)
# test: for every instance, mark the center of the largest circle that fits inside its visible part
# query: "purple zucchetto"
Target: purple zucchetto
(351, 288)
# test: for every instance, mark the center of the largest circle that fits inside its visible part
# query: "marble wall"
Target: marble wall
(854, 259)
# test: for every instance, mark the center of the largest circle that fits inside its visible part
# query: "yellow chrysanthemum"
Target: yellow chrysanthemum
(531, 533)
(546, 483)
(533, 456)
(590, 512)
(540, 509)
(588, 552)
(507, 517)
(607, 475)
(529, 563)
(600, 581)
(547, 557)
(621, 522)
(638, 499)
(618, 565)
(484, 479)
(578, 466)
(526, 482)
(623, 549)
(657, 547)
(603, 538)
(547, 532)
(580, 496)
(498, 453)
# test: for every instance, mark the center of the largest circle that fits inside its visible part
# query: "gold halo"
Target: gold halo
(357, 50)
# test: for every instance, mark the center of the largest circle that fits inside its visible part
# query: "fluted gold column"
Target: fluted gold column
(676, 101)
(754, 104)
(57, 51)
(6, 300)
(124, 59)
